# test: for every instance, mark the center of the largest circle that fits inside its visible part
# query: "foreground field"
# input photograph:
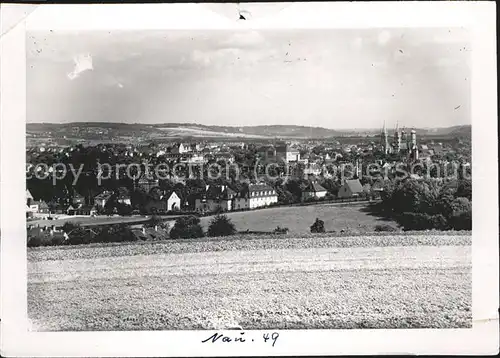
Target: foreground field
(289, 283)
(298, 219)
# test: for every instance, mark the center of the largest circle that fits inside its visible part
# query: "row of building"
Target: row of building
(213, 198)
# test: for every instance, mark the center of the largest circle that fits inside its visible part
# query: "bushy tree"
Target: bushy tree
(187, 227)
(318, 226)
(221, 225)
(115, 233)
(464, 189)
(284, 196)
(461, 214)
(428, 204)
(69, 226)
(154, 221)
(123, 209)
(384, 228)
(423, 221)
(79, 236)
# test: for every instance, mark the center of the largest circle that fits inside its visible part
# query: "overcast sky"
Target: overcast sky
(337, 79)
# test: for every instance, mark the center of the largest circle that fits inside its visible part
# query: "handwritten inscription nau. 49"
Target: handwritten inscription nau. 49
(241, 338)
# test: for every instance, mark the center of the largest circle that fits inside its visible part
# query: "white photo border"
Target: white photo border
(478, 17)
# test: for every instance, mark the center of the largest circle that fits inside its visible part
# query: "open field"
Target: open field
(289, 283)
(298, 219)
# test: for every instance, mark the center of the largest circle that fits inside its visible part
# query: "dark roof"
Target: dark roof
(145, 179)
(258, 187)
(223, 154)
(438, 149)
(103, 195)
(265, 148)
(451, 184)
(354, 185)
(281, 148)
(41, 204)
(219, 192)
(314, 187)
(378, 185)
(87, 207)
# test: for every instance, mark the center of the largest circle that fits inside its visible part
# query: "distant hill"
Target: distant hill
(179, 130)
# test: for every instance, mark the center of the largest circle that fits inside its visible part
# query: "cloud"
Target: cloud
(384, 37)
(221, 57)
(357, 43)
(244, 39)
(82, 63)
(400, 55)
(447, 62)
(201, 58)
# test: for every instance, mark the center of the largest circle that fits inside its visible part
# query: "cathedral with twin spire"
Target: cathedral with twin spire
(403, 143)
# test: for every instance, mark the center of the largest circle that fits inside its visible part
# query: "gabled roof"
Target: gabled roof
(169, 193)
(265, 148)
(258, 190)
(103, 195)
(354, 185)
(258, 187)
(219, 192)
(41, 204)
(145, 179)
(78, 196)
(28, 194)
(315, 188)
(87, 207)
(378, 185)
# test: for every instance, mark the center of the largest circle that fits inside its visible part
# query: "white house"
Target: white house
(314, 190)
(292, 156)
(173, 201)
(195, 158)
(350, 188)
(101, 199)
(181, 148)
(312, 169)
(257, 195)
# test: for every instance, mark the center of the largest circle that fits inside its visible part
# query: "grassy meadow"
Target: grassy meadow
(298, 219)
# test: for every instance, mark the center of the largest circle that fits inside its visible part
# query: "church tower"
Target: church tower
(412, 147)
(397, 138)
(384, 140)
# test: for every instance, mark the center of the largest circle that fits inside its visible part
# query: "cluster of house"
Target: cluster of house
(40, 209)
(195, 153)
(351, 188)
(222, 197)
(34, 207)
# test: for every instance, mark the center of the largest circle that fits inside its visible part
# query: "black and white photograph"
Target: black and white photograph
(248, 181)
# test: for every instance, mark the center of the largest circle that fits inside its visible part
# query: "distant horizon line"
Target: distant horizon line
(250, 126)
